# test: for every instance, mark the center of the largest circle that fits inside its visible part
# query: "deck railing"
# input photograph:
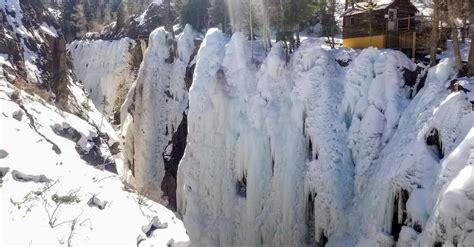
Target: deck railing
(412, 23)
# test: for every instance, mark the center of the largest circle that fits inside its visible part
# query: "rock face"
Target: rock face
(33, 58)
(154, 112)
(36, 49)
(135, 27)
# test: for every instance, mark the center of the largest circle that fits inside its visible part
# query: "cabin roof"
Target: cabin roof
(363, 7)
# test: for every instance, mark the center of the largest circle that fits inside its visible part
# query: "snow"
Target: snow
(4, 61)
(154, 108)
(49, 30)
(94, 117)
(55, 12)
(464, 48)
(141, 18)
(104, 67)
(44, 192)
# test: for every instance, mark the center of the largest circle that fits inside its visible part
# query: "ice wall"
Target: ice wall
(154, 108)
(374, 98)
(301, 151)
(255, 134)
(106, 68)
(409, 156)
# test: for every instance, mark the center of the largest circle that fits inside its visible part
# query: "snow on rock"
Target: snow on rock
(45, 184)
(254, 135)
(106, 70)
(31, 39)
(154, 108)
(29, 23)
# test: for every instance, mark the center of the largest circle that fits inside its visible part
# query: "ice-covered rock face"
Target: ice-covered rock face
(154, 111)
(267, 161)
(305, 152)
(107, 69)
(407, 187)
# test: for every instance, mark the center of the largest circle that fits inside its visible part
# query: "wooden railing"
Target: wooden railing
(406, 24)
(412, 23)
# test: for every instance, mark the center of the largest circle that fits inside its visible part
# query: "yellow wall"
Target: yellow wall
(364, 42)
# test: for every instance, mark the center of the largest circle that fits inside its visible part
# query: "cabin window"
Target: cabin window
(390, 15)
(351, 21)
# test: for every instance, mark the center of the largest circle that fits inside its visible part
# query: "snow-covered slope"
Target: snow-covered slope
(304, 152)
(49, 194)
(106, 70)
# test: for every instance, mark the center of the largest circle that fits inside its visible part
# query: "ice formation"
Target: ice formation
(155, 107)
(273, 153)
(106, 70)
(293, 151)
(301, 151)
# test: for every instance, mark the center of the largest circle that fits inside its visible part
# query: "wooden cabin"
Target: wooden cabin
(393, 24)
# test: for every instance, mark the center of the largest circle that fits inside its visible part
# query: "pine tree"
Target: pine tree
(218, 14)
(122, 15)
(194, 12)
(326, 11)
(79, 22)
(293, 13)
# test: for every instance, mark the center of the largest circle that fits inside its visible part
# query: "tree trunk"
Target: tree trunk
(454, 35)
(251, 29)
(266, 32)
(298, 41)
(170, 20)
(464, 31)
(224, 28)
(434, 33)
(333, 23)
(456, 48)
(471, 51)
(282, 12)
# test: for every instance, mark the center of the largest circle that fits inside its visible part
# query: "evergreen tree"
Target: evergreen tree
(194, 12)
(293, 13)
(218, 14)
(122, 15)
